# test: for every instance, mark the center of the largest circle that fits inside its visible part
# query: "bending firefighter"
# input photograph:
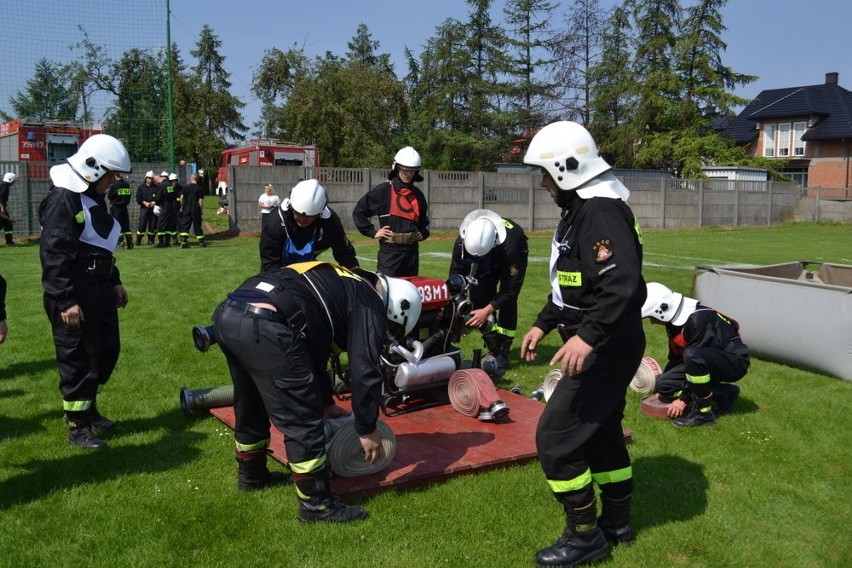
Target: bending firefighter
(706, 355)
(596, 300)
(493, 252)
(302, 227)
(277, 330)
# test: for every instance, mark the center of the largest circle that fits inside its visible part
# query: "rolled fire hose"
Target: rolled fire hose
(645, 379)
(344, 452)
(550, 380)
(473, 394)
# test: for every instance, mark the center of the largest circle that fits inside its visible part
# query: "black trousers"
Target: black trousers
(167, 221)
(398, 260)
(119, 213)
(147, 222)
(482, 294)
(580, 428)
(274, 380)
(191, 221)
(86, 356)
(6, 228)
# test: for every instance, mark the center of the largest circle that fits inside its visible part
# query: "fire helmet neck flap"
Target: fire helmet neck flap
(666, 305)
(568, 153)
(98, 155)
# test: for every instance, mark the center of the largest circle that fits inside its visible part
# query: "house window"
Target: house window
(798, 143)
(784, 139)
(768, 140)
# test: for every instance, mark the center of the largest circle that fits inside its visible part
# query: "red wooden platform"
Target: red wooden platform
(436, 443)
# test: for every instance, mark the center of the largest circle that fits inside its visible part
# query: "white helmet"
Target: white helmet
(407, 158)
(307, 197)
(402, 301)
(568, 153)
(173, 177)
(97, 155)
(149, 174)
(157, 210)
(666, 305)
(9, 177)
(164, 174)
(482, 230)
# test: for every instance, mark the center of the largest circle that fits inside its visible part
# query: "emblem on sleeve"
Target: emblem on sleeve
(603, 251)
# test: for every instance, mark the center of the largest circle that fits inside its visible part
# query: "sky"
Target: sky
(785, 42)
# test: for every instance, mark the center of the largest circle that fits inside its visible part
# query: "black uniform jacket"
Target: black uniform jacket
(61, 246)
(507, 263)
(404, 209)
(705, 327)
(340, 309)
(598, 271)
(119, 193)
(278, 227)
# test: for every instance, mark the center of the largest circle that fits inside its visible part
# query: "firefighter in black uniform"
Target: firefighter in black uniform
(6, 226)
(168, 195)
(302, 227)
(277, 330)
(597, 292)
(82, 286)
(119, 195)
(146, 195)
(706, 355)
(402, 211)
(495, 250)
(191, 206)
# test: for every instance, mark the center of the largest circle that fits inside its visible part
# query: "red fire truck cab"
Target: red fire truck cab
(266, 153)
(39, 140)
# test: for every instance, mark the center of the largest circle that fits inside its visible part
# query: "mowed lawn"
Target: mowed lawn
(769, 485)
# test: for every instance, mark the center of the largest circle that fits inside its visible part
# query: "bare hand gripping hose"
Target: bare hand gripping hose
(344, 452)
(473, 394)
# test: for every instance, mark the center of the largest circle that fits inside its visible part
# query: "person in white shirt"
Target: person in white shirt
(268, 200)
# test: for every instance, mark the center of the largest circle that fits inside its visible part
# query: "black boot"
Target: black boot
(252, 473)
(699, 412)
(615, 520)
(161, 241)
(317, 504)
(724, 395)
(138, 239)
(129, 240)
(581, 543)
(80, 431)
(184, 242)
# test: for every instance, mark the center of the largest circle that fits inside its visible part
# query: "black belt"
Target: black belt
(99, 266)
(291, 315)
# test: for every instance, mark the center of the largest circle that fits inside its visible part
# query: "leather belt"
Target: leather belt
(98, 266)
(291, 315)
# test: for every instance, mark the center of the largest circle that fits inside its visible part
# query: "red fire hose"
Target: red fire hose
(473, 394)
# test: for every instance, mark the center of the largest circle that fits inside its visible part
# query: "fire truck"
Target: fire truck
(266, 153)
(39, 140)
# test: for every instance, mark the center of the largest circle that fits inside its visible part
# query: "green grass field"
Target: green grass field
(769, 485)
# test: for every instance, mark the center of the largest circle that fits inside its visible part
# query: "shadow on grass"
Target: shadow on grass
(18, 428)
(28, 368)
(667, 489)
(174, 448)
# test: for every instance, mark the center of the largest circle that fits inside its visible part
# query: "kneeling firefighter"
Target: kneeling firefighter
(277, 330)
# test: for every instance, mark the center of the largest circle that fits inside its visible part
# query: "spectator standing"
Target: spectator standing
(191, 207)
(268, 200)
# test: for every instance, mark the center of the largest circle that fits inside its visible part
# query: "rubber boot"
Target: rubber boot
(615, 520)
(317, 504)
(161, 241)
(581, 543)
(138, 239)
(80, 431)
(184, 242)
(128, 239)
(252, 473)
(699, 412)
(169, 240)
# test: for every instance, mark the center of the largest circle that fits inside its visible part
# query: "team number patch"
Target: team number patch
(603, 251)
